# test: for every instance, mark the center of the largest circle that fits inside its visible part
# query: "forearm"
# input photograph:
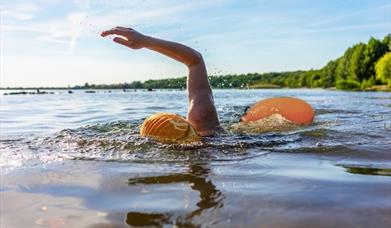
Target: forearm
(202, 112)
(197, 82)
(177, 51)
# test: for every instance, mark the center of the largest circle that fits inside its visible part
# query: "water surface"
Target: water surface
(76, 160)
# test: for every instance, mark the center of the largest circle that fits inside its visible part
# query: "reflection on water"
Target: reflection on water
(74, 154)
(367, 170)
(197, 176)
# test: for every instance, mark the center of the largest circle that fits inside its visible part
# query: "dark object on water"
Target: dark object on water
(30, 93)
(39, 92)
(70, 91)
(17, 93)
(90, 91)
(366, 170)
(150, 89)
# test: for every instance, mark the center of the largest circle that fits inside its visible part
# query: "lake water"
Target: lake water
(76, 160)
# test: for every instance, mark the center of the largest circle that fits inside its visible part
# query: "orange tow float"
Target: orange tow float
(292, 109)
(172, 128)
(169, 128)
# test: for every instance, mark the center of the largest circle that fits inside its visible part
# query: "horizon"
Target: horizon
(56, 43)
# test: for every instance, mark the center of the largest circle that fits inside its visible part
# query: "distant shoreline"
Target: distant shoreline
(42, 90)
(363, 67)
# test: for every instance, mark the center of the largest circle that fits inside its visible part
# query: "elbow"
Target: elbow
(195, 59)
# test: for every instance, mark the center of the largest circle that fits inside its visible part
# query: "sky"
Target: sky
(57, 42)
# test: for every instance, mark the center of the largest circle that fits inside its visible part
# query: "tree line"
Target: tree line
(361, 66)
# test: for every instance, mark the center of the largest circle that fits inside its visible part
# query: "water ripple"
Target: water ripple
(105, 127)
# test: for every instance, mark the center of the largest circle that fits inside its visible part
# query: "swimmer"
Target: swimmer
(202, 119)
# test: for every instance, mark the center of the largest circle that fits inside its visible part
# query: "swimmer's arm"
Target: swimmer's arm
(198, 82)
(202, 112)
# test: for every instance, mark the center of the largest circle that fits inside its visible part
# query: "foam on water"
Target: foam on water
(78, 159)
(92, 135)
(120, 141)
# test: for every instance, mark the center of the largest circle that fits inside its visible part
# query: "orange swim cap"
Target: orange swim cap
(293, 109)
(169, 128)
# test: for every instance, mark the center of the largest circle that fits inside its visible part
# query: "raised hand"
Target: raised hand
(202, 113)
(126, 36)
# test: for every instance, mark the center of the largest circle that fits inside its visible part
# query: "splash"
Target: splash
(275, 122)
(121, 142)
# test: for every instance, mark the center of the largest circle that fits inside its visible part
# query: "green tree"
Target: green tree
(383, 69)
(342, 72)
(136, 85)
(328, 74)
(375, 49)
(356, 66)
(347, 84)
(387, 41)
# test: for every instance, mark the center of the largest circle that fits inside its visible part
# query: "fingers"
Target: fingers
(121, 41)
(119, 27)
(112, 32)
(115, 31)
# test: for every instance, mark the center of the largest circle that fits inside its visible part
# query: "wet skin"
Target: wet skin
(201, 113)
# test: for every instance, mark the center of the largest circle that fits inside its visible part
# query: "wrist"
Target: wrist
(147, 41)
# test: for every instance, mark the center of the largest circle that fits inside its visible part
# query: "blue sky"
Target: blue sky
(57, 42)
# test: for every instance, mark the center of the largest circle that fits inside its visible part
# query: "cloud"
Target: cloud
(62, 28)
(67, 31)
(85, 18)
(64, 32)
(23, 11)
(240, 36)
(336, 19)
(104, 14)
